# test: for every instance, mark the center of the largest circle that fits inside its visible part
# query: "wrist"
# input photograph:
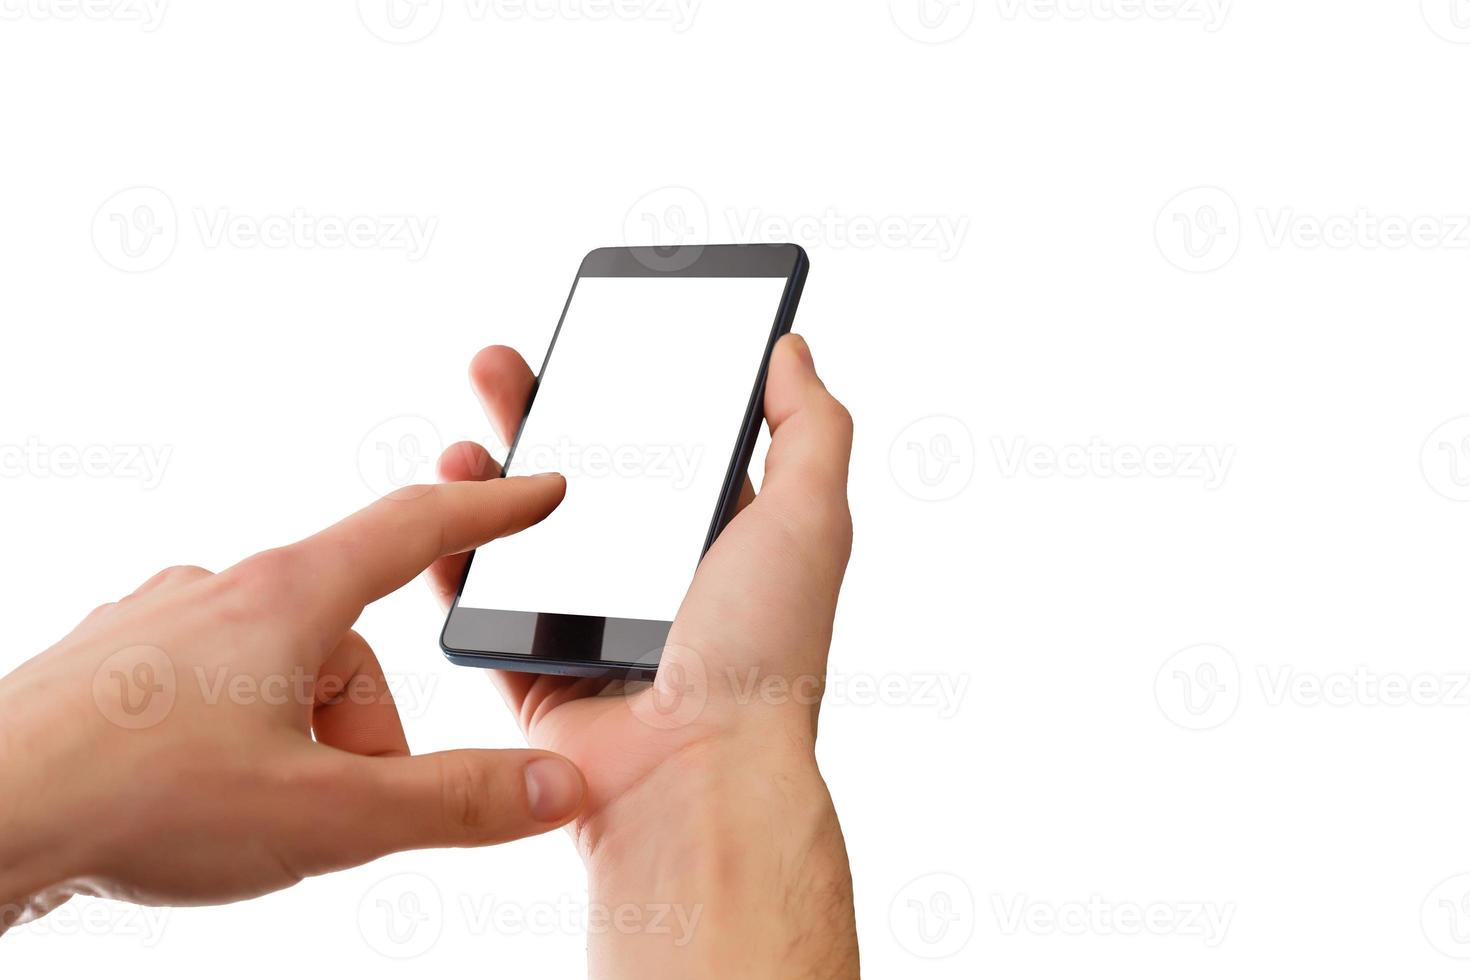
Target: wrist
(718, 782)
(729, 858)
(37, 826)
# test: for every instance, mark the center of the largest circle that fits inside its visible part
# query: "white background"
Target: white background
(1070, 308)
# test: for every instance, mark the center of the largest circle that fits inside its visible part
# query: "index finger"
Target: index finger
(336, 572)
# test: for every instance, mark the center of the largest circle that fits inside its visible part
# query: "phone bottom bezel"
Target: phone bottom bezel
(528, 665)
(583, 646)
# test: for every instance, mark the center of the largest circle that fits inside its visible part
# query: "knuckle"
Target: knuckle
(183, 574)
(99, 612)
(412, 492)
(831, 415)
(267, 575)
(846, 539)
(173, 577)
(266, 566)
(422, 518)
(814, 524)
(841, 419)
(468, 797)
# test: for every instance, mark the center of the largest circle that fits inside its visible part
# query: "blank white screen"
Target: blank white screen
(640, 408)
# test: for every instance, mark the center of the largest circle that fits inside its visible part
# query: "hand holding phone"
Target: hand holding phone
(648, 401)
(703, 788)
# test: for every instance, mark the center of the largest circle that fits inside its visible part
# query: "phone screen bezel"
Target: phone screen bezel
(555, 643)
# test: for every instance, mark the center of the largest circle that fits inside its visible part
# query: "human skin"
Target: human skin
(703, 791)
(696, 798)
(185, 713)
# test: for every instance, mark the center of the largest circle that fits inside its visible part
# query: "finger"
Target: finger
(467, 461)
(381, 548)
(533, 696)
(354, 710)
(503, 381)
(360, 808)
(461, 461)
(28, 910)
(325, 581)
(811, 433)
(515, 689)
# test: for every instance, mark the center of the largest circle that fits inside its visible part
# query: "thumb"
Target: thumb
(464, 798)
(811, 432)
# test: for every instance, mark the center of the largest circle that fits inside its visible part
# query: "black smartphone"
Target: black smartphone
(648, 401)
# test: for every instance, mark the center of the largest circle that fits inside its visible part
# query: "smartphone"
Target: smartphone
(648, 402)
